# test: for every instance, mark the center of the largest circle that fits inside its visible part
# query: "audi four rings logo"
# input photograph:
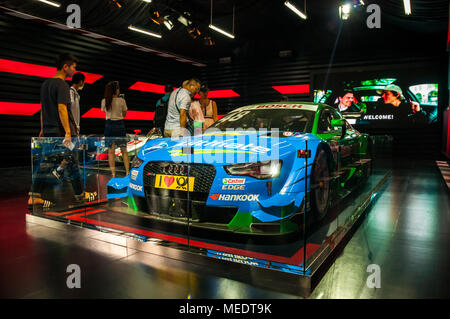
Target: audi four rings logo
(175, 169)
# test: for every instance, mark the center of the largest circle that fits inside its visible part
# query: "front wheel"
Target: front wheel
(320, 185)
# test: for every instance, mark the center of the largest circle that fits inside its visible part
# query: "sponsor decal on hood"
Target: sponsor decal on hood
(233, 181)
(236, 147)
(135, 187)
(154, 148)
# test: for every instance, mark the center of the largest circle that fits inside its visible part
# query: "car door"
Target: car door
(345, 148)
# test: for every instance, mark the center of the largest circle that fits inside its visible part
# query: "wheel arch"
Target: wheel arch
(329, 153)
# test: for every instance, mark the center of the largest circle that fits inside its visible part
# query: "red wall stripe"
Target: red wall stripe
(218, 94)
(158, 88)
(148, 87)
(11, 108)
(292, 89)
(38, 70)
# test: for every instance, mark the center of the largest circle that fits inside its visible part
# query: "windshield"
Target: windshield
(283, 120)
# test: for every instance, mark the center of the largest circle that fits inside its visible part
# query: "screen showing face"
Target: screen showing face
(384, 102)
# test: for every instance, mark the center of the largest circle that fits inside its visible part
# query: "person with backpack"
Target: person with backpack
(161, 109)
(178, 121)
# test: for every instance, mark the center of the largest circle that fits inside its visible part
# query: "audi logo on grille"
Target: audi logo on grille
(177, 169)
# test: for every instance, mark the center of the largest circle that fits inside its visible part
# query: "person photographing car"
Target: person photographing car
(178, 121)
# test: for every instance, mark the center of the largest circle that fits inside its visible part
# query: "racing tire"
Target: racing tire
(320, 186)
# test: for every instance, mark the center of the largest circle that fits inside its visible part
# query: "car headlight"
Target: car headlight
(136, 162)
(259, 170)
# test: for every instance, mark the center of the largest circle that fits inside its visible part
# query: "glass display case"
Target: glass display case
(239, 198)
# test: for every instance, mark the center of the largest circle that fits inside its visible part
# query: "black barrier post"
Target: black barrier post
(304, 207)
(188, 150)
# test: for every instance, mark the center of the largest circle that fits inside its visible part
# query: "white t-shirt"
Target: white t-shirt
(118, 106)
(181, 98)
(75, 106)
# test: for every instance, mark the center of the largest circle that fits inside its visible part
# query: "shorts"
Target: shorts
(116, 133)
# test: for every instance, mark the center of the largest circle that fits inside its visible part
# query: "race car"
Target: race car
(134, 144)
(246, 173)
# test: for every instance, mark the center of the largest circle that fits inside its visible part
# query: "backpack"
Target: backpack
(161, 113)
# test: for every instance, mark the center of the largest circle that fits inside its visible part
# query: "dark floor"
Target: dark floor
(406, 233)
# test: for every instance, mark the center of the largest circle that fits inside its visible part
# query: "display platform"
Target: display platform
(261, 266)
(292, 261)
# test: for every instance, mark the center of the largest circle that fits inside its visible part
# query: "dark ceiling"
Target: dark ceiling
(262, 27)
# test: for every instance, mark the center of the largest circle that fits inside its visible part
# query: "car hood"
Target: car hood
(225, 148)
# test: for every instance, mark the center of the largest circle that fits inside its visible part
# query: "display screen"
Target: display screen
(384, 102)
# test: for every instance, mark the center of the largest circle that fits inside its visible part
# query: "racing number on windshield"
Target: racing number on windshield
(238, 116)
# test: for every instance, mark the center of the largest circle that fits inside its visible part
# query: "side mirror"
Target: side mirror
(340, 123)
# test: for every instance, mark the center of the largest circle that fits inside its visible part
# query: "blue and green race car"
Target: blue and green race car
(246, 173)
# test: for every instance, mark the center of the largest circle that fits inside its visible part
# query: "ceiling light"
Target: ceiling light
(297, 11)
(211, 26)
(407, 5)
(148, 1)
(52, 3)
(221, 31)
(144, 31)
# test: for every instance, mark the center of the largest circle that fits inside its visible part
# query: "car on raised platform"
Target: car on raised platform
(251, 171)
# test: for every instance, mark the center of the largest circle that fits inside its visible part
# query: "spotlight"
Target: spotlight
(183, 19)
(194, 32)
(118, 3)
(344, 11)
(209, 41)
(156, 17)
(168, 23)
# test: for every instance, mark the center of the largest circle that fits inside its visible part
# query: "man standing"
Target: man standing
(57, 121)
(178, 110)
(77, 85)
(161, 109)
(78, 80)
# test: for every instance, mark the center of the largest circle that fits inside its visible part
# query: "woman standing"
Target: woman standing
(115, 108)
(209, 107)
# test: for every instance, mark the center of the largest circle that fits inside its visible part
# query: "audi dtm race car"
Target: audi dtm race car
(247, 172)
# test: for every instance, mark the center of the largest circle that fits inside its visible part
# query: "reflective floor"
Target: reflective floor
(406, 233)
